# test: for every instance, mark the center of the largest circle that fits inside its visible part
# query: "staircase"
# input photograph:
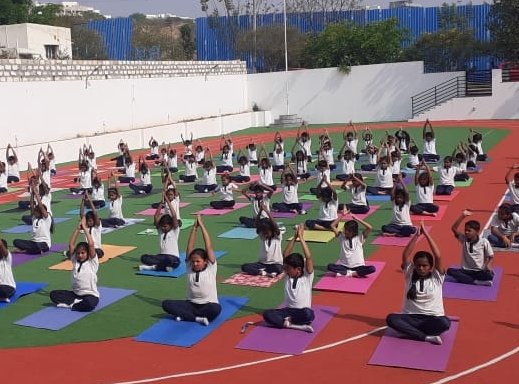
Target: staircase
(286, 121)
(472, 84)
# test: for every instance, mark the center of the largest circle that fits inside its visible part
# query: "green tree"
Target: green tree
(188, 41)
(504, 28)
(451, 48)
(87, 44)
(345, 44)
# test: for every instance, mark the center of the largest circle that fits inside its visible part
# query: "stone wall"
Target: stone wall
(56, 70)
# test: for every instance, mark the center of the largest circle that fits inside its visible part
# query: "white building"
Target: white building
(29, 41)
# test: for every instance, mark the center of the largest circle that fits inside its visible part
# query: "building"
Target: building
(403, 4)
(29, 41)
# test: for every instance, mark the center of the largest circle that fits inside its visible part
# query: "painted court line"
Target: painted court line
(251, 363)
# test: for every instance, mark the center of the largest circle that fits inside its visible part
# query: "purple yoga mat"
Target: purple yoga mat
(393, 351)
(286, 341)
(454, 290)
(22, 258)
(289, 215)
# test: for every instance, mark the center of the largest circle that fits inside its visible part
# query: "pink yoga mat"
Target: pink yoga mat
(330, 282)
(253, 281)
(151, 211)
(362, 216)
(446, 197)
(439, 215)
(289, 215)
(393, 351)
(219, 212)
(286, 341)
(395, 241)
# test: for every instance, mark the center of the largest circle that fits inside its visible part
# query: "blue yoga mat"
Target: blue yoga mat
(55, 318)
(76, 211)
(22, 289)
(185, 333)
(240, 233)
(378, 197)
(180, 270)
(23, 228)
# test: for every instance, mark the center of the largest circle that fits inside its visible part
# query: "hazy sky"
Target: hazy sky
(191, 8)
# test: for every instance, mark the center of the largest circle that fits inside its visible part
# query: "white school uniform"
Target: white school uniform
(227, 159)
(199, 156)
(191, 169)
(472, 156)
(462, 166)
(301, 296)
(85, 179)
(266, 176)
(226, 191)
(429, 147)
(3, 180)
(173, 162)
(395, 168)
(116, 208)
(306, 146)
(6, 271)
(384, 178)
(358, 195)
(348, 167)
(413, 159)
(424, 195)
(429, 300)
(352, 145)
(130, 170)
(98, 193)
(13, 170)
(46, 177)
(301, 167)
(328, 156)
(506, 228)
(175, 204)
(41, 230)
(95, 232)
(168, 241)
(290, 194)
(351, 256)
(92, 162)
(320, 175)
(84, 276)
(474, 260)
(271, 251)
(146, 178)
(209, 177)
(154, 150)
(401, 216)
(252, 155)
(514, 191)
(479, 146)
(245, 170)
(328, 212)
(256, 207)
(373, 158)
(202, 291)
(447, 175)
(279, 158)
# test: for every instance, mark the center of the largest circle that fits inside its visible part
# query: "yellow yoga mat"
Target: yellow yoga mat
(111, 252)
(320, 236)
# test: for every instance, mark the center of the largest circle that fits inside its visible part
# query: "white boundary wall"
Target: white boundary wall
(379, 92)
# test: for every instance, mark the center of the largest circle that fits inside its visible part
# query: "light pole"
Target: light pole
(255, 40)
(286, 54)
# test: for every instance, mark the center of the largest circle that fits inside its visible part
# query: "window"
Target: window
(51, 51)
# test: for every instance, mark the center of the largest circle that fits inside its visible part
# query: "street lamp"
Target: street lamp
(286, 54)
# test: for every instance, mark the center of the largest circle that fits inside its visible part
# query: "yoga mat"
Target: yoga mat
(462, 184)
(18, 229)
(76, 211)
(23, 289)
(320, 236)
(219, 212)
(378, 197)
(25, 194)
(72, 196)
(439, 215)
(240, 233)
(393, 240)
(149, 232)
(454, 290)
(185, 333)
(330, 282)
(111, 252)
(253, 281)
(290, 215)
(309, 197)
(179, 271)
(446, 197)
(362, 216)
(54, 318)
(394, 351)
(151, 211)
(286, 341)
(128, 222)
(22, 258)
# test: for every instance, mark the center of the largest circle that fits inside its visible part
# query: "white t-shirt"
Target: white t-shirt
(245, 170)
(199, 156)
(168, 241)
(85, 179)
(300, 296)
(175, 203)
(227, 159)
(424, 195)
(266, 176)
(320, 175)
(173, 162)
(328, 212)
(41, 230)
(209, 177)
(271, 251)
(401, 216)
(351, 256)
(6, 271)
(373, 158)
(279, 158)
(92, 162)
(447, 175)
(191, 169)
(256, 206)
(413, 159)
(98, 193)
(116, 208)
(514, 192)
(290, 194)
(352, 145)
(395, 168)
(95, 232)
(46, 177)
(130, 170)
(13, 170)
(506, 228)
(348, 167)
(358, 195)
(301, 167)
(84, 276)
(328, 156)
(474, 260)
(429, 147)
(306, 146)
(227, 191)
(3, 180)
(201, 286)
(146, 178)
(252, 155)
(429, 300)
(384, 178)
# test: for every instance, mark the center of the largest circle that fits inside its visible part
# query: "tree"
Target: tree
(188, 41)
(321, 5)
(503, 23)
(87, 44)
(345, 44)
(451, 48)
(270, 46)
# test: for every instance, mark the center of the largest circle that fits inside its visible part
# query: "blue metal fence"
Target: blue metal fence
(117, 35)
(214, 43)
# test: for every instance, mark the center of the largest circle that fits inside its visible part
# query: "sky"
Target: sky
(191, 8)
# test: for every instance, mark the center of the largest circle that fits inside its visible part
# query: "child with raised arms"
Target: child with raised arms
(429, 143)
(202, 304)
(226, 192)
(7, 282)
(447, 174)
(296, 311)
(208, 183)
(244, 163)
(84, 295)
(13, 170)
(290, 199)
(476, 254)
(351, 258)
(145, 186)
(260, 200)
(422, 317)
(424, 184)
(115, 205)
(154, 149)
(359, 204)
(265, 170)
(328, 217)
(512, 183)
(400, 225)
(190, 174)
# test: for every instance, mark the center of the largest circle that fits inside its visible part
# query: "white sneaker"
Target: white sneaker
(142, 192)
(202, 320)
(303, 212)
(263, 273)
(178, 318)
(180, 180)
(339, 274)
(485, 283)
(63, 305)
(206, 190)
(144, 267)
(6, 300)
(273, 274)
(169, 269)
